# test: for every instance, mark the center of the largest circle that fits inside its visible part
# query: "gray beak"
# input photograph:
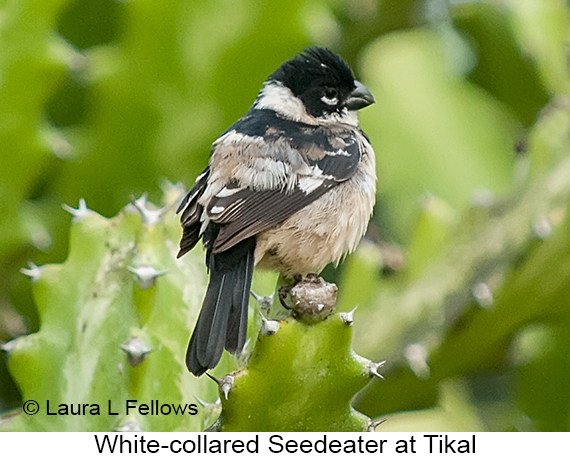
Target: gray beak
(359, 98)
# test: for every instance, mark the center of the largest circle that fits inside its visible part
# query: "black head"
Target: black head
(323, 81)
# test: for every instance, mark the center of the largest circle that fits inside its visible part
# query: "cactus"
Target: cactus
(115, 320)
(32, 64)
(503, 268)
(302, 374)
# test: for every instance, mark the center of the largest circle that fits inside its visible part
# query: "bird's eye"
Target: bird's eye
(330, 96)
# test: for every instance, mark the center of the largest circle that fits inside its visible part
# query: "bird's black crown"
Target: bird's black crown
(320, 78)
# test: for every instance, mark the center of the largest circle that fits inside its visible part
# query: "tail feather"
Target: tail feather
(237, 328)
(223, 317)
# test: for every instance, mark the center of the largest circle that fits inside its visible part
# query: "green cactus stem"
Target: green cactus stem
(302, 373)
(115, 321)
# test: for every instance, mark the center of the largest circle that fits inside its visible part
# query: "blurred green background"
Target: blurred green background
(463, 280)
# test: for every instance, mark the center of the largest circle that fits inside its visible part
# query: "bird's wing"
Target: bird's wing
(270, 168)
(190, 219)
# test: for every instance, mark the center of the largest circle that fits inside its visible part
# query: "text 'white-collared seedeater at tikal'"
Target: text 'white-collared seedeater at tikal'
(290, 186)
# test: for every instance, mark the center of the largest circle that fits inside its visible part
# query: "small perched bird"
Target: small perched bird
(290, 186)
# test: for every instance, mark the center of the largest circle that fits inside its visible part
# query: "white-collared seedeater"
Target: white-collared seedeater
(290, 186)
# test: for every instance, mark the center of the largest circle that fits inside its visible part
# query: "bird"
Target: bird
(290, 186)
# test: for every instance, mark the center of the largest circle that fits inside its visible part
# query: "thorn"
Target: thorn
(40, 238)
(268, 327)
(58, 144)
(34, 272)
(264, 302)
(80, 213)
(136, 350)
(348, 318)
(77, 61)
(203, 403)
(146, 275)
(246, 346)
(256, 296)
(172, 192)
(149, 216)
(482, 198)
(216, 380)
(542, 227)
(244, 356)
(373, 369)
(227, 385)
(483, 294)
(9, 346)
(130, 425)
(426, 200)
(416, 354)
(373, 424)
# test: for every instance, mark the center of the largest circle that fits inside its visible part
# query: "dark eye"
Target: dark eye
(330, 96)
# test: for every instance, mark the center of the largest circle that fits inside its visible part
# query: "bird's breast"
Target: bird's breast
(324, 231)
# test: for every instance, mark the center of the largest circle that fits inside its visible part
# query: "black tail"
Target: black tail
(223, 317)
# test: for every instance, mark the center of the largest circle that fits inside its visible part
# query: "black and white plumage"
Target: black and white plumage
(290, 186)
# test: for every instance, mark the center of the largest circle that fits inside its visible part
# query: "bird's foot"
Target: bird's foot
(283, 293)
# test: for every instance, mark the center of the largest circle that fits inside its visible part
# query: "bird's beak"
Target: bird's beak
(359, 98)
